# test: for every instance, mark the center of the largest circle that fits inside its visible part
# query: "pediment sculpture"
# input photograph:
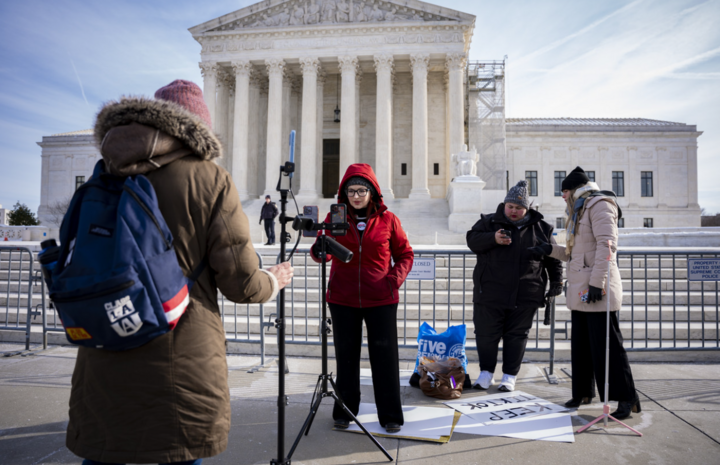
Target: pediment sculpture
(317, 12)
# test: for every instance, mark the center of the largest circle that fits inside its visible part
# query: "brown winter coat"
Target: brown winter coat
(588, 265)
(168, 400)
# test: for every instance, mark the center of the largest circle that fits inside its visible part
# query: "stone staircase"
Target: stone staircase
(653, 298)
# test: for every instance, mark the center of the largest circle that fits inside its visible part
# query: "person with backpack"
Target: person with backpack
(268, 213)
(509, 283)
(167, 400)
(592, 222)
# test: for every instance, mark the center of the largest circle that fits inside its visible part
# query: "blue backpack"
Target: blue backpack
(117, 283)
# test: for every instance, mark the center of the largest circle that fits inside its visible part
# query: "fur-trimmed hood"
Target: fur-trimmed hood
(137, 135)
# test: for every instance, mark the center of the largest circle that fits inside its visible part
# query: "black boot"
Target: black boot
(625, 408)
(575, 403)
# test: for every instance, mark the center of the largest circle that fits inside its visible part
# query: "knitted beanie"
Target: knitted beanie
(518, 194)
(360, 181)
(188, 95)
(575, 179)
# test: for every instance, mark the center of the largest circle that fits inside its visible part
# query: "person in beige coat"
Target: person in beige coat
(168, 401)
(591, 226)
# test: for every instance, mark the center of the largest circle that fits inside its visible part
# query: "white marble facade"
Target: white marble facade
(397, 72)
(392, 69)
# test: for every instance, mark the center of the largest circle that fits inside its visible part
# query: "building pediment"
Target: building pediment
(273, 14)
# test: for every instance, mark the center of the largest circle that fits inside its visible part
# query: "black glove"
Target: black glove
(260, 222)
(541, 249)
(594, 294)
(555, 290)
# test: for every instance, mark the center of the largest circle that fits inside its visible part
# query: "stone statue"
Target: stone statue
(390, 15)
(328, 11)
(376, 14)
(343, 12)
(465, 162)
(313, 13)
(298, 16)
(360, 12)
(267, 21)
(283, 19)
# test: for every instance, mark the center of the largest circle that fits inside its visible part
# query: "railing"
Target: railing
(21, 263)
(662, 309)
(670, 295)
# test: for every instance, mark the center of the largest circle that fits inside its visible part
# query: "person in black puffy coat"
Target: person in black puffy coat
(509, 283)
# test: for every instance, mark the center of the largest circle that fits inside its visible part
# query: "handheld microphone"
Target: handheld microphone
(292, 149)
(338, 251)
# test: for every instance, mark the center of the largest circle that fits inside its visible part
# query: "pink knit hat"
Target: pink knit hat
(188, 95)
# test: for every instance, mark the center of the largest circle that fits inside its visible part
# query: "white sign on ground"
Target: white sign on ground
(423, 268)
(703, 269)
(427, 423)
(505, 406)
(555, 427)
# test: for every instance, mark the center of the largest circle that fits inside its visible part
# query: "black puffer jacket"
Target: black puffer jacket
(269, 211)
(508, 276)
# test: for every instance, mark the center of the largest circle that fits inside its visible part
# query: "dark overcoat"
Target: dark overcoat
(508, 276)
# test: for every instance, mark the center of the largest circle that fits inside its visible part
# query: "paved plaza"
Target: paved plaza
(680, 420)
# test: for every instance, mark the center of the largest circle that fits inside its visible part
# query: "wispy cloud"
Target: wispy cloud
(82, 89)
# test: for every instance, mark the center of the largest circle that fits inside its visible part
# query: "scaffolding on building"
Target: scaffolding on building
(486, 120)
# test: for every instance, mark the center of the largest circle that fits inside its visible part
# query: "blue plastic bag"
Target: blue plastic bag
(442, 346)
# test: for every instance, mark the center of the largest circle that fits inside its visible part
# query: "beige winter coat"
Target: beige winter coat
(168, 400)
(588, 264)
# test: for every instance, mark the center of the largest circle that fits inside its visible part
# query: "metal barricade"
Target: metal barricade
(17, 264)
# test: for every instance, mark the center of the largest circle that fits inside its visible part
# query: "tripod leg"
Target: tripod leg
(367, 433)
(317, 397)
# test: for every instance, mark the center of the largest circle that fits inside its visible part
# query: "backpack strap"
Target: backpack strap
(610, 194)
(195, 275)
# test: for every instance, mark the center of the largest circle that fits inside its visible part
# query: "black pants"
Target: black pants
(588, 357)
(512, 325)
(381, 323)
(270, 230)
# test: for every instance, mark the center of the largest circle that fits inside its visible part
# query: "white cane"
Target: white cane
(606, 408)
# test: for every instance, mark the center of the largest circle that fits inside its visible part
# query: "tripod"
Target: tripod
(606, 408)
(321, 388)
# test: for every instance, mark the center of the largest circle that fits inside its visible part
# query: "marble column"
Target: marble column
(286, 104)
(348, 68)
(275, 68)
(358, 82)
(254, 122)
(220, 121)
(321, 77)
(209, 71)
(419, 66)
(455, 64)
(692, 176)
(631, 180)
(383, 125)
(308, 184)
(241, 126)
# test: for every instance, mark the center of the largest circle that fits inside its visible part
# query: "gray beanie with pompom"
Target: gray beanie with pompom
(518, 194)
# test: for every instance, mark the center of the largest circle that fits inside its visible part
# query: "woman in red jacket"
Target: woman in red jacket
(366, 289)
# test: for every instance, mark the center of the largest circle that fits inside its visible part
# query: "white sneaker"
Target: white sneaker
(507, 384)
(484, 381)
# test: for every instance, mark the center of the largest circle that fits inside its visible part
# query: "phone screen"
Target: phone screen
(338, 215)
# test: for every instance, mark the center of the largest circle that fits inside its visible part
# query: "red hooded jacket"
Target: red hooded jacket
(369, 279)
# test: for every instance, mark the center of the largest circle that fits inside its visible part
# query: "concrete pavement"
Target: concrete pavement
(680, 418)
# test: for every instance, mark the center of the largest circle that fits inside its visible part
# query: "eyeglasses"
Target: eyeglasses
(360, 192)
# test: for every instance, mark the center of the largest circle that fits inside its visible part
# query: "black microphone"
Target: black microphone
(336, 250)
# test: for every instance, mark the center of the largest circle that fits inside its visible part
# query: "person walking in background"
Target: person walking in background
(366, 289)
(168, 400)
(509, 283)
(592, 222)
(268, 213)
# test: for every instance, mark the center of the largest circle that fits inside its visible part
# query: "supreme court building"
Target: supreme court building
(388, 83)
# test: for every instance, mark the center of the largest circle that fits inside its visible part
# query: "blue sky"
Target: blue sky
(659, 59)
